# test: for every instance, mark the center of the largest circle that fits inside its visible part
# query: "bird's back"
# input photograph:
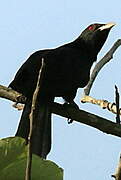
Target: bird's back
(67, 68)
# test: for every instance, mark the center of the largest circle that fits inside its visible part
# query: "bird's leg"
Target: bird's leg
(72, 104)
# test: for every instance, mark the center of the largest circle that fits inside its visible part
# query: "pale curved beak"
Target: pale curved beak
(107, 26)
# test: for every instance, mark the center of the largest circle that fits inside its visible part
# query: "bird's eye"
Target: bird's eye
(91, 28)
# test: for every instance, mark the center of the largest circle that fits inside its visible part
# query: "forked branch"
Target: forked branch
(113, 107)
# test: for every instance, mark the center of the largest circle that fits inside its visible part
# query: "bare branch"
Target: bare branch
(87, 118)
(117, 175)
(100, 64)
(117, 105)
(104, 104)
(34, 111)
(12, 95)
(84, 117)
(113, 107)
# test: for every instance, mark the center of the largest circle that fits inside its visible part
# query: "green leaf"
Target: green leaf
(13, 155)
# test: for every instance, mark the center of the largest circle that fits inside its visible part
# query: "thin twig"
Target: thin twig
(100, 64)
(117, 99)
(117, 175)
(33, 109)
(104, 104)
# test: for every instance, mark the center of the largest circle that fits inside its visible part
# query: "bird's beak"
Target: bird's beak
(107, 26)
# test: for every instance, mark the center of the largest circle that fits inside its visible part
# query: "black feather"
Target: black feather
(67, 68)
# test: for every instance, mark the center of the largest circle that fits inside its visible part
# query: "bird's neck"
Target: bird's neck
(87, 47)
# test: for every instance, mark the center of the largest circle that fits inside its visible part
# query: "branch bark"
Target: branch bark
(87, 118)
(80, 116)
(117, 174)
(33, 125)
(108, 56)
(117, 99)
(12, 95)
(104, 104)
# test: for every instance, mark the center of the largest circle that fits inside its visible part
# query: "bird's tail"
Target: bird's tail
(41, 139)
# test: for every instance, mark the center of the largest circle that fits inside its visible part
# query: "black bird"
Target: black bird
(67, 68)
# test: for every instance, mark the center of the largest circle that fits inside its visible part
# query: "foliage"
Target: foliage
(13, 155)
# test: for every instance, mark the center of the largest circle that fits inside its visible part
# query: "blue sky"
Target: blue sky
(26, 26)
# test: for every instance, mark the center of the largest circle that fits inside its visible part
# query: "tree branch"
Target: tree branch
(12, 95)
(117, 175)
(108, 56)
(32, 138)
(104, 104)
(87, 118)
(117, 99)
(112, 107)
(81, 116)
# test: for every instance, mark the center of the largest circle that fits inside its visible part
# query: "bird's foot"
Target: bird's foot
(21, 99)
(71, 105)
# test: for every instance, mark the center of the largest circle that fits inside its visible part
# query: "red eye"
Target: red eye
(91, 27)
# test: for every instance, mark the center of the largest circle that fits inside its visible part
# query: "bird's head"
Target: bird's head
(95, 35)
